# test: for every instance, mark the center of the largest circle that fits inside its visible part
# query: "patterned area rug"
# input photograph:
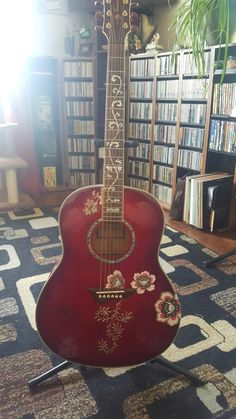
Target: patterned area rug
(206, 343)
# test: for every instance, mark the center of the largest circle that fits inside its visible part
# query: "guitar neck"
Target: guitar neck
(114, 156)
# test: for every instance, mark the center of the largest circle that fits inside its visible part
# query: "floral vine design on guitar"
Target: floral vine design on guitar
(114, 320)
(115, 165)
(91, 205)
(168, 309)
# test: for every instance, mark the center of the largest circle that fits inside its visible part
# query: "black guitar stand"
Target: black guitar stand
(210, 263)
(192, 377)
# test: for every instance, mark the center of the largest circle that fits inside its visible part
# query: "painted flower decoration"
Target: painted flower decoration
(143, 282)
(168, 309)
(91, 205)
(115, 281)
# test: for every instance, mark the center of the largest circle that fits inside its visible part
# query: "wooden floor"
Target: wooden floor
(220, 242)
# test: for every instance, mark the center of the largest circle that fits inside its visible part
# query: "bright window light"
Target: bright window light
(16, 41)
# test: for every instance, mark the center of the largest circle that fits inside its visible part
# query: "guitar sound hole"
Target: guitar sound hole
(111, 241)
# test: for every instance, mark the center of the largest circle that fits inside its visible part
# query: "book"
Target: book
(196, 205)
(49, 176)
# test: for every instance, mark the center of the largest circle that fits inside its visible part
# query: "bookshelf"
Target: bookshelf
(43, 74)
(221, 152)
(180, 122)
(79, 115)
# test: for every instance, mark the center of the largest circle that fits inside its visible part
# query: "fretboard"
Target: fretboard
(113, 175)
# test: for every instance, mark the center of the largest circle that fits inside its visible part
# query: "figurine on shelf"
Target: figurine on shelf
(154, 45)
(134, 39)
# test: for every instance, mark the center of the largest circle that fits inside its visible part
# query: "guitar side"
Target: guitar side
(108, 307)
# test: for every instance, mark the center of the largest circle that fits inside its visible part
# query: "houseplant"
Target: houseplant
(198, 20)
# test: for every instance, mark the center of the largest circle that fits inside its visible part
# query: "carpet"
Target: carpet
(206, 343)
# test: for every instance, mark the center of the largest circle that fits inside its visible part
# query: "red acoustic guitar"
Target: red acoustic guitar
(108, 303)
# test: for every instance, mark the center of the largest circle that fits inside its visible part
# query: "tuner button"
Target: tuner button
(99, 5)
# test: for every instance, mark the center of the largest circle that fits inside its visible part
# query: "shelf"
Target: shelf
(229, 71)
(141, 78)
(140, 99)
(224, 117)
(141, 159)
(159, 182)
(160, 77)
(166, 100)
(173, 123)
(77, 79)
(186, 147)
(132, 175)
(79, 98)
(82, 170)
(161, 163)
(24, 202)
(12, 163)
(164, 144)
(80, 118)
(192, 125)
(194, 100)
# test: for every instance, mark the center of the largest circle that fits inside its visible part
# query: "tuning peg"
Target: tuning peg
(98, 20)
(99, 6)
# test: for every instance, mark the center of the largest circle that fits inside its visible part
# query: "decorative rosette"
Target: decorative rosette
(168, 309)
(115, 281)
(143, 282)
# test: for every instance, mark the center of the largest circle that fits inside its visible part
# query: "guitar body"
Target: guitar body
(108, 302)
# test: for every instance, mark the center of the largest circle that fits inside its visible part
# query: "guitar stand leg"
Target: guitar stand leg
(192, 377)
(49, 373)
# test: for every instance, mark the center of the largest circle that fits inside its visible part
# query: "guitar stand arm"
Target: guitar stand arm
(192, 377)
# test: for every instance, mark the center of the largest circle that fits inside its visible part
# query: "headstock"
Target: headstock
(116, 21)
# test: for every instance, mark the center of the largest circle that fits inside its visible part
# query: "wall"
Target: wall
(51, 28)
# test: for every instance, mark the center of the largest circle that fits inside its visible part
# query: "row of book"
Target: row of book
(79, 108)
(141, 89)
(166, 112)
(142, 151)
(162, 193)
(167, 65)
(167, 89)
(80, 145)
(207, 200)
(138, 168)
(81, 162)
(191, 137)
(140, 110)
(78, 127)
(163, 154)
(139, 183)
(222, 136)
(190, 159)
(139, 130)
(78, 68)
(78, 89)
(165, 134)
(195, 88)
(142, 67)
(191, 67)
(224, 99)
(82, 179)
(193, 113)
(163, 174)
